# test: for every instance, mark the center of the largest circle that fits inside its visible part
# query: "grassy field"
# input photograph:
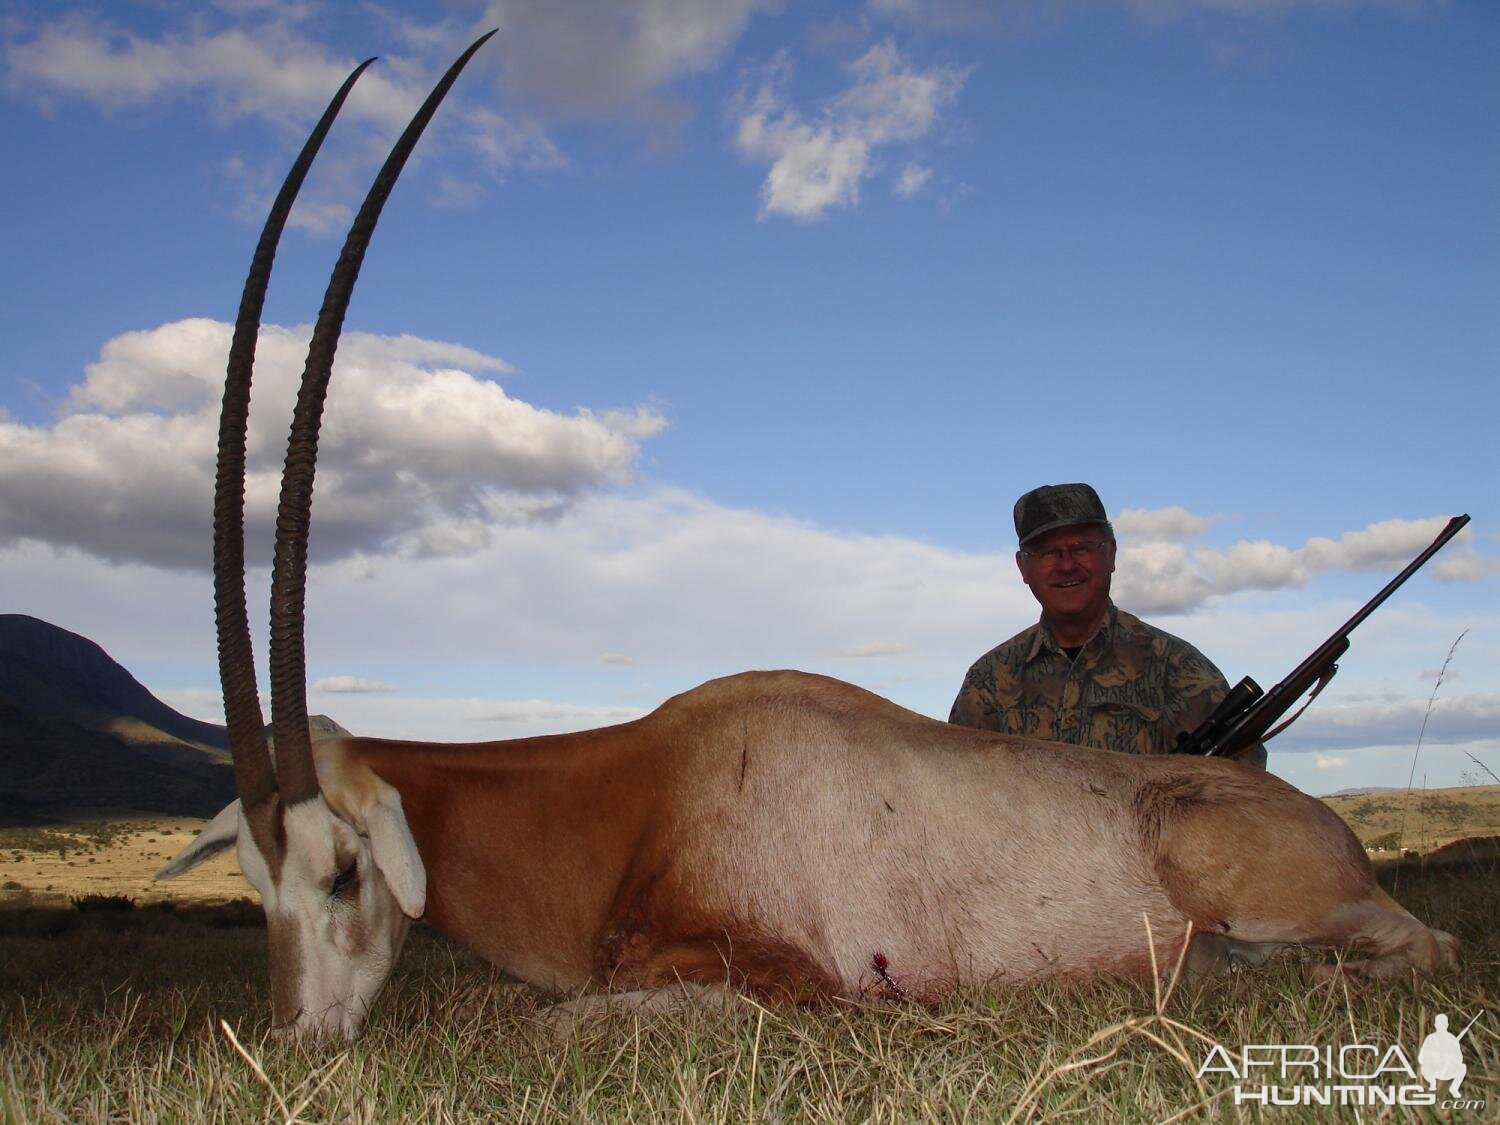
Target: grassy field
(1421, 820)
(161, 1013)
(110, 855)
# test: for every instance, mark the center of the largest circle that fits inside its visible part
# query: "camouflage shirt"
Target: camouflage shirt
(1132, 688)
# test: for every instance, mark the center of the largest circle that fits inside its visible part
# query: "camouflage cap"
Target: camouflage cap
(1057, 505)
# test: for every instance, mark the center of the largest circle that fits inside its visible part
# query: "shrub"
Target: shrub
(103, 903)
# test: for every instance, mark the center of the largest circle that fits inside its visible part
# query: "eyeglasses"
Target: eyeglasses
(1078, 552)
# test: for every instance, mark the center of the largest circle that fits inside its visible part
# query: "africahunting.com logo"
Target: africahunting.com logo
(1350, 1074)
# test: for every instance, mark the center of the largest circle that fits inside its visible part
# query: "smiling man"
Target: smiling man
(1087, 672)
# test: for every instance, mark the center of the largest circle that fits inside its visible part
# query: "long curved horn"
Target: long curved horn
(296, 778)
(247, 739)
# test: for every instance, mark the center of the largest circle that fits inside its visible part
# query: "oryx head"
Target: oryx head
(336, 868)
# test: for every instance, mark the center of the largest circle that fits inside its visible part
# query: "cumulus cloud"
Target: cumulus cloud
(957, 15)
(820, 163)
(571, 716)
(1347, 723)
(913, 179)
(1159, 573)
(672, 577)
(350, 685)
(873, 648)
(606, 55)
(1161, 525)
(268, 67)
(941, 13)
(434, 456)
(271, 71)
(1464, 565)
(692, 589)
(266, 60)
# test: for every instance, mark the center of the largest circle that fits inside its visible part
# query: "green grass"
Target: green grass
(101, 1021)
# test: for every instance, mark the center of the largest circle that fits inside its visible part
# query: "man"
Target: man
(1087, 672)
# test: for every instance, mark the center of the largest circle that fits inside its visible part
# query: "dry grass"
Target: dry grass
(1423, 819)
(117, 855)
(167, 1020)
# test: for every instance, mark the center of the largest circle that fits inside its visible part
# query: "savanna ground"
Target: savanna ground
(159, 1011)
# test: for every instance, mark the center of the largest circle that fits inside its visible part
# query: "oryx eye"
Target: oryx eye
(344, 879)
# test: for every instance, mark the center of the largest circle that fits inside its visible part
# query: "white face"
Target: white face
(334, 926)
(336, 910)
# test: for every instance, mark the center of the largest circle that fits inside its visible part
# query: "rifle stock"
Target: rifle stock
(1248, 713)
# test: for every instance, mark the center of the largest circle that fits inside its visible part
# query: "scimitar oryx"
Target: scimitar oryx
(785, 834)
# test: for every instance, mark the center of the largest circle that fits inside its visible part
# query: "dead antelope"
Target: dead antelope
(791, 835)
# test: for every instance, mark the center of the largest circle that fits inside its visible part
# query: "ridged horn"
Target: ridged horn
(296, 778)
(242, 713)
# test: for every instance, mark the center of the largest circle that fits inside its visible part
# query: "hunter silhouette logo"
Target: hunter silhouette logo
(1349, 1074)
(1442, 1058)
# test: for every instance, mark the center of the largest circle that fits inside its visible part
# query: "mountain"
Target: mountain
(53, 672)
(51, 767)
(78, 731)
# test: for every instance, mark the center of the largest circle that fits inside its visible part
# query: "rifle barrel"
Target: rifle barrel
(1246, 714)
(1455, 525)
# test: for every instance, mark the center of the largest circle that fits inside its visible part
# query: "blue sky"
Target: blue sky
(706, 336)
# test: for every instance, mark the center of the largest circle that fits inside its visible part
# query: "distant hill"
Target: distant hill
(1365, 791)
(50, 766)
(61, 675)
(1420, 819)
(78, 731)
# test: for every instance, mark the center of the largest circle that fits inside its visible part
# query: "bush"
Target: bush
(104, 903)
(231, 915)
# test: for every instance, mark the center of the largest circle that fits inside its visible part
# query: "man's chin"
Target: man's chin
(1075, 611)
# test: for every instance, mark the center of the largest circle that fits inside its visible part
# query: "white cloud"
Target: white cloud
(433, 458)
(1330, 762)
(913, 178)
(819, 164)
(267, 67)
(1157, 573)
(1347, 723)
(957, 15)
(679, 582)
(692, 589)
(1461, 564)
(873, 648)
(350, 685)
(270, 71)
(604, 56)
(264, 60)
(561, 716)
(1170, 525)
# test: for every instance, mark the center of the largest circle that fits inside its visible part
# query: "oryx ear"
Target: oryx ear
(219, 833)
(395, 851)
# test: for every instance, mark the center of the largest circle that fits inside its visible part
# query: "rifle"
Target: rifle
(1247, 712)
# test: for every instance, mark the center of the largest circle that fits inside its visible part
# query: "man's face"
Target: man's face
(1068, 571)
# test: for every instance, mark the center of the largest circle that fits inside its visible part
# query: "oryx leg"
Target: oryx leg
(1396, 941)
(1214, 955)
(564, 1020)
